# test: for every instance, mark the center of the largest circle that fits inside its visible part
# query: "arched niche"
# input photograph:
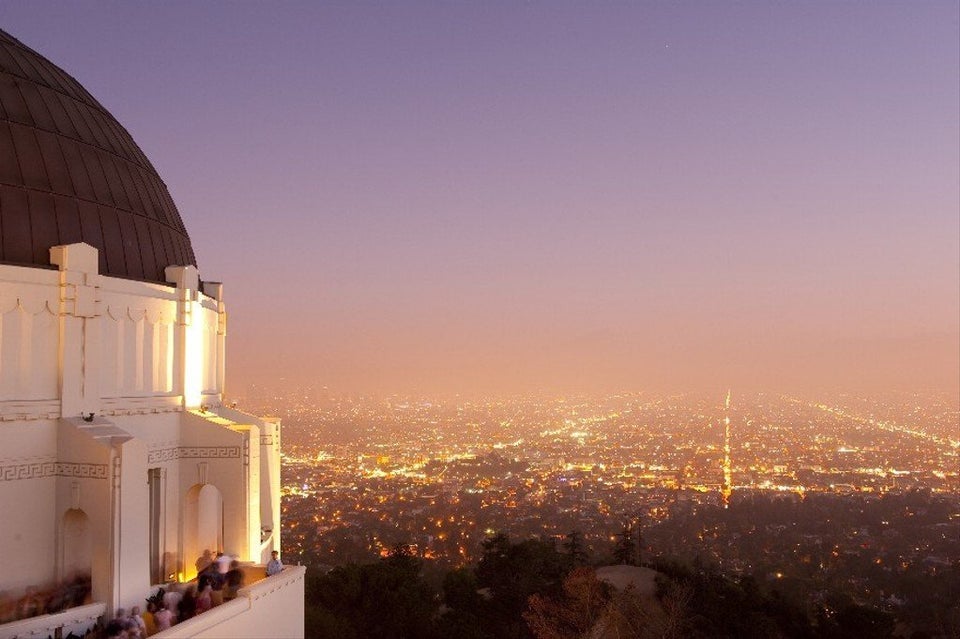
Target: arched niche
(76, 544)
(202, 524)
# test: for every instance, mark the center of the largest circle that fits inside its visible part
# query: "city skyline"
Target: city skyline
(513, 198)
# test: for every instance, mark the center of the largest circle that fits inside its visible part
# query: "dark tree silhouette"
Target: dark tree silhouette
(624, 550)
(576, 552)
(511, 573)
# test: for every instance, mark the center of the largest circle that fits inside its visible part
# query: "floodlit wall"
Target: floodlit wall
(137, 342)
(74, 342)
(224, 454)
(95, 374)
(269, 477)
(28, 476)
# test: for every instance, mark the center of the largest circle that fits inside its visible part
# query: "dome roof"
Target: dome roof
(70, 173)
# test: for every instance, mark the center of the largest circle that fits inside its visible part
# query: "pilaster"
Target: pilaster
(80, 309)
(188, 360)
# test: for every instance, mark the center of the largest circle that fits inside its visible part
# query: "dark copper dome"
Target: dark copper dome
(70, 173)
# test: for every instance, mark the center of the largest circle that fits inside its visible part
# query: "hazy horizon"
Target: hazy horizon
(509, 198)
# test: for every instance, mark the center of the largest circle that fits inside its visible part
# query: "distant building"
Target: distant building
(119, 463)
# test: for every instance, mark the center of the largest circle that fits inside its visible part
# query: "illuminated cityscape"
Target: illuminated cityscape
(364, 474)
(815, 497)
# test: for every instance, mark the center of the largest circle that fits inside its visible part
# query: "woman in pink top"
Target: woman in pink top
(163, 618)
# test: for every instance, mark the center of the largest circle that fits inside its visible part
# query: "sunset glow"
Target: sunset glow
(549, 197)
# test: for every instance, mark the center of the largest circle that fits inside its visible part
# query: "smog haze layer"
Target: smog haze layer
(555, 197)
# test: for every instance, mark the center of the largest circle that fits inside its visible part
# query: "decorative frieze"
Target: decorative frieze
(161, 455)
(40, 470)
(84, 471)
(35, 470)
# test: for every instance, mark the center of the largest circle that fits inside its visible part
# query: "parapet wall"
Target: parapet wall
(272, 607)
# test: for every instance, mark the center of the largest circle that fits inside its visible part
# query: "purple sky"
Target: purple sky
(509, 197)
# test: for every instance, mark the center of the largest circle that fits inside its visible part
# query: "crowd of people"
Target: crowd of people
(218, 580)
(45, 601)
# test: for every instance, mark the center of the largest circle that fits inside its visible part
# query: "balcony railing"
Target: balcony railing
(270, 607)
(76, 620)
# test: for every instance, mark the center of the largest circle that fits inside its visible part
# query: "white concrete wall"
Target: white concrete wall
(87, 486)
(270, 488)
(269, 477)
(138, 346)
(82, 338)
(28, 474)
(134, 355)
(29, 334)
(132, 536)
(28, 531)
(231, 464)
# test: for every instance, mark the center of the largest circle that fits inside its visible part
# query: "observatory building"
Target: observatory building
(119, 465)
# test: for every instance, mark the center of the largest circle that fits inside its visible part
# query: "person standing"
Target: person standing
(274, 566)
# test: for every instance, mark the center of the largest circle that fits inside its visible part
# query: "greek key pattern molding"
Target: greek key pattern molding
(40, 470)
(193, 452)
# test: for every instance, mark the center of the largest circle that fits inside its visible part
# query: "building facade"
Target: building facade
(120, 463)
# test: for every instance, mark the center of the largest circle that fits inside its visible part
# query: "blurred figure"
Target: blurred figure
(204, 560)
(137, 619)
(114, 629)
(149, 622)
(188, 604)
(171, 600)
(274, 566)
(223, 563)
(163, 618)
(234, 581)
(204, 599)
(29, 605)
(8, 608)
